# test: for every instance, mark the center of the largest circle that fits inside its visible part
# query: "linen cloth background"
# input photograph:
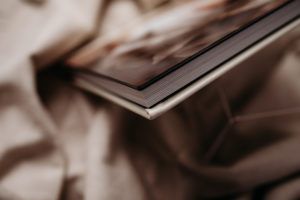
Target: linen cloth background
(57, 142)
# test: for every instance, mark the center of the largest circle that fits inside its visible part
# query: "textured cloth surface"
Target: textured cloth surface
(60, 143)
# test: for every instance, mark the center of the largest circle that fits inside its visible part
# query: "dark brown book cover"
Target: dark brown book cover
(163, 39)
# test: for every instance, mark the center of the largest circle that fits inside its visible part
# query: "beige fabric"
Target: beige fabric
(57, 142)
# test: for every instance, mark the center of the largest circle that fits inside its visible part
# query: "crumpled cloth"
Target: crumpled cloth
(60, 143)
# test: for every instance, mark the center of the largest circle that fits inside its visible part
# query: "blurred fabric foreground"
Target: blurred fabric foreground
(60, 143)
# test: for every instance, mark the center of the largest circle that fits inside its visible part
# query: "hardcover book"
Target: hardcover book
(154, 62)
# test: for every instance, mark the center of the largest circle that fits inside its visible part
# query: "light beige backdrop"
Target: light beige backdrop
(57, 142)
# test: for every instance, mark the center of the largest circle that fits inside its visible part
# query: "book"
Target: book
(166, 55)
